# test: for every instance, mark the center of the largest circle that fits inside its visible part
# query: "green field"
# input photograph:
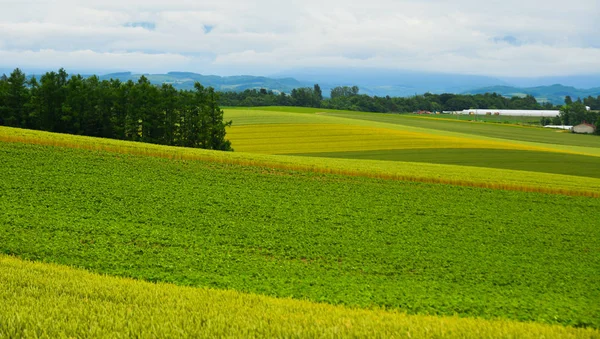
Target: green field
(62, 302)
(392, 170)
(546, 162)
(323, 223)
(502, 119)
(419, 248)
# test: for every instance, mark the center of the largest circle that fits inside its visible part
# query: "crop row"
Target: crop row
(419, 248)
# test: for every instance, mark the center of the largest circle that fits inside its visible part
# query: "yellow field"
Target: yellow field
(393, 170)
(315, 138)
(304, 129)
(241, 117)
(50, 301)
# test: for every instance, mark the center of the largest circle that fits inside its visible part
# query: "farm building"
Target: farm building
(584, 128)
(512, 112)
(565, 127)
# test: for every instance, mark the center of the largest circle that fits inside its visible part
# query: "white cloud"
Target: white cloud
(91, 60)
(265, 36)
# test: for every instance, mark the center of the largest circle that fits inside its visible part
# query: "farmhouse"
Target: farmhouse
(512, 112)
(584, 128)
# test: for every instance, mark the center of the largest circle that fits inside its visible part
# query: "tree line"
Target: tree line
(137, 111)
(576, 112)
(349, 98)
(141, 111)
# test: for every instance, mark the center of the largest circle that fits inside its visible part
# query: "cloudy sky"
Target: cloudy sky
(262, 37)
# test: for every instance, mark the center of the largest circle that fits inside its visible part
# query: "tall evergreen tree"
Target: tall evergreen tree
(318, 95)
(51, 96)
(118, 113)
(170, 113)
(4, 111)
(15, 99)
(75, 108)
(217, 140)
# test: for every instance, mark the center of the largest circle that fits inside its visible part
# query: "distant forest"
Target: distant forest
(136, 111)
(348, 98)
(141, 111)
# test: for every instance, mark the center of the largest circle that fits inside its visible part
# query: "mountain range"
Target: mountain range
(186, 80)
(383, 82)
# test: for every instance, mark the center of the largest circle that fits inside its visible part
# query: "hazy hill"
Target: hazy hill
(554, 94)
(577, 81)
(186, 80)
(381, 82)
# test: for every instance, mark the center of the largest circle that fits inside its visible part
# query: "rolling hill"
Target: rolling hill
(186, 80)
(333, 223)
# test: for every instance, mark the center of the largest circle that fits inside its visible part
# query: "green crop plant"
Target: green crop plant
(51, 301)
(358, 241)
(405, 171)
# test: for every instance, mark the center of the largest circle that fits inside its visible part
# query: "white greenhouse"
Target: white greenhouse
(512, 112)
(565, 127)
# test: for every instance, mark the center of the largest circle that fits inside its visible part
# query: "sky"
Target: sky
(521, 38)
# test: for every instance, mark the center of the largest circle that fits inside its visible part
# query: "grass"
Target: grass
(546, 162)
(405, 171)
(419, 248)
(502, 119)
(50, 301)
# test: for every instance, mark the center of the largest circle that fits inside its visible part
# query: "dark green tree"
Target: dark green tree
(3, 95)
(304, 97)
(15, 98)
(216, 125)
(170, 113)
(318, 95)
(568, 100)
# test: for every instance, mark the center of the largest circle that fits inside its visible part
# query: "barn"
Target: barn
(584, 128)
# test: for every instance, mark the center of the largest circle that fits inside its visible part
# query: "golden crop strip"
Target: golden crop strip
(50, 301)
(316, 138)
(243, 117)
(391, 170)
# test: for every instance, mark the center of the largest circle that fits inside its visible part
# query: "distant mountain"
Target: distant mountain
(186, 80)
(382, 82)
(577, 81)
(554, 94)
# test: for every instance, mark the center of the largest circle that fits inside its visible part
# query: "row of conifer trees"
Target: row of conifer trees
(137, 111)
